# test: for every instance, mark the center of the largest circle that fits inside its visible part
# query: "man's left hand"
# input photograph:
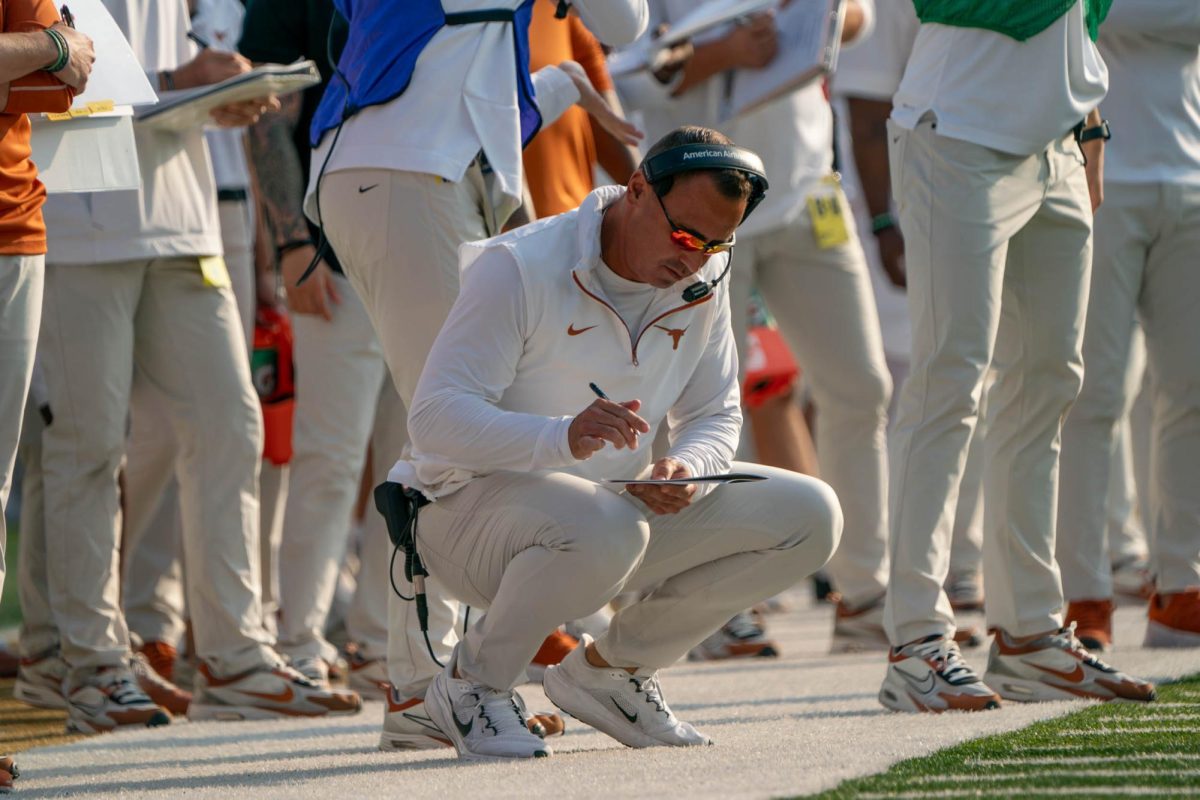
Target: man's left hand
(247, 112)
(669, 499)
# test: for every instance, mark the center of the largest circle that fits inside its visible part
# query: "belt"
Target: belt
(232, 195)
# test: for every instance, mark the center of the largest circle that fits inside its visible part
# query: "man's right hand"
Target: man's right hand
(317, 295)
(605, 421)
(83, 56)
(754, 44)
(210, 66)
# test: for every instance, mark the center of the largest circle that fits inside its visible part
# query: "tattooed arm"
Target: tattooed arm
(280, 181)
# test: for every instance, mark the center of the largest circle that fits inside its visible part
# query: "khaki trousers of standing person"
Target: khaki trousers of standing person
(21, 281)
(397, 236)
(824, 305)
(39, 634)
(998, 249)
(343, 396)
(538, 549)
(1147, 240)
(105, 326)
(153, 583)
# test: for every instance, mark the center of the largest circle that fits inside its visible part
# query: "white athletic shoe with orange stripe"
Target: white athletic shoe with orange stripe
(1056, 666)
(931, 675)
(266, 693)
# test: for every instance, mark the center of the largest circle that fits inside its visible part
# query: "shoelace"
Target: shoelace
(1065, 640)
(500, 713)
(126, 692)
(653, 691)
(949, 660)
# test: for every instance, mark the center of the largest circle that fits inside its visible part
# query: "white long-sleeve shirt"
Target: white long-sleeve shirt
(532, 328)
(463, 99)
(1152, 48)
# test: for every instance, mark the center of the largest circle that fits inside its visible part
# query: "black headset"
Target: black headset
(692, 157)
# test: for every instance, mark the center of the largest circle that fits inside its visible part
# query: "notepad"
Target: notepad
(810, 34)
(731, 477)
(643, 54)
(192, 108)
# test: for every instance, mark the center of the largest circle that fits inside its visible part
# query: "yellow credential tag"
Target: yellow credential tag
(828, 222)
(215, 272)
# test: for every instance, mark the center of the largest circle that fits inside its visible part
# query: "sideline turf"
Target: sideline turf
(1106, 749)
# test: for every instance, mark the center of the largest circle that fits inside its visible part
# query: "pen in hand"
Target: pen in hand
(199, 40)
(599, 392)
(67, 17)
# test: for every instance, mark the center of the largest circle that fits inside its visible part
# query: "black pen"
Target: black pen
(67, 16)
(599, 392)
(198, 40)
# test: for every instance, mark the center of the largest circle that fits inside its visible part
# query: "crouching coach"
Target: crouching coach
(516, 452)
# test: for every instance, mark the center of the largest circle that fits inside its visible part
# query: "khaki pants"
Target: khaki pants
(397, 236)
(825, 308)
(152, 590)
(1147, 239)
(998, 251)
(21, 280)
(344, 399)
(106, 326)
(539, 549)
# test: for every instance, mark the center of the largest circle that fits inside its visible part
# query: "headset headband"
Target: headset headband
(692, 157)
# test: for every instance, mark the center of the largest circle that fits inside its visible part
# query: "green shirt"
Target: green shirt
(1018, 19)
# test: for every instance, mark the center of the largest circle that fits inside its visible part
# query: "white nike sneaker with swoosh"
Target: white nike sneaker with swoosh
(1056, 666)
(931, 675)
(266, 693)
(629, 708)
(483, 724)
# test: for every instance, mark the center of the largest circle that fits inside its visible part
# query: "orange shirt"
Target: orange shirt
(560, 159)
(22, 231)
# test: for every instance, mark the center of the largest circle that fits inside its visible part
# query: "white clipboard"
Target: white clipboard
(731, 477)
(190, 109)
(810, 34)
(117, 76)
(643, 54)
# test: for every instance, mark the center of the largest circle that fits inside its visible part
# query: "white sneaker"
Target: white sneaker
(482, 723)
(740, 637)
(629, 708)
(406, 725)
(314, 668)
(40, 681)
(110, 698)
(1057, 667)
(266, 693)
(930, 675)
(965, 590)
(368, 676)
(859, 629)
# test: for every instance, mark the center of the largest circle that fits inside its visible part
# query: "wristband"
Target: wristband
(166, 80)
(882, 222)
(1101, 131)
(294, 244)
(64, 52)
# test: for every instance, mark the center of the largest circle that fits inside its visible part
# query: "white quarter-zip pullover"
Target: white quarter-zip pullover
(531, 329)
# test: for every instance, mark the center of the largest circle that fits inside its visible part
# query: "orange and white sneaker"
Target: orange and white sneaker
(266, 693)
(557, 646)
(158, 688)
(110, 698)
(931, 675)
(859, 628)
(161, 656)
(40, 681)
(1056, 666)
(741, 637)
(406, 726)
(368, 676)
(1093, 623)
(1174, 619)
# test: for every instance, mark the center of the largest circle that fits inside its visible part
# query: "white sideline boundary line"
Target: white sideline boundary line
(1061, 791)
(1126, 730)
(1023, 776)
(1080, 760)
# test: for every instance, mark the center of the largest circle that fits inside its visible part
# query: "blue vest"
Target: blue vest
(386, 39)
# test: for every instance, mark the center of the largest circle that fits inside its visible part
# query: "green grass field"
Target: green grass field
(1105, 750)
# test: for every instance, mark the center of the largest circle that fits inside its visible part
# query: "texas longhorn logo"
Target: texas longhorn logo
(676, 335)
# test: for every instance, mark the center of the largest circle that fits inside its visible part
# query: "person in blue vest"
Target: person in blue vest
(416, 150)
